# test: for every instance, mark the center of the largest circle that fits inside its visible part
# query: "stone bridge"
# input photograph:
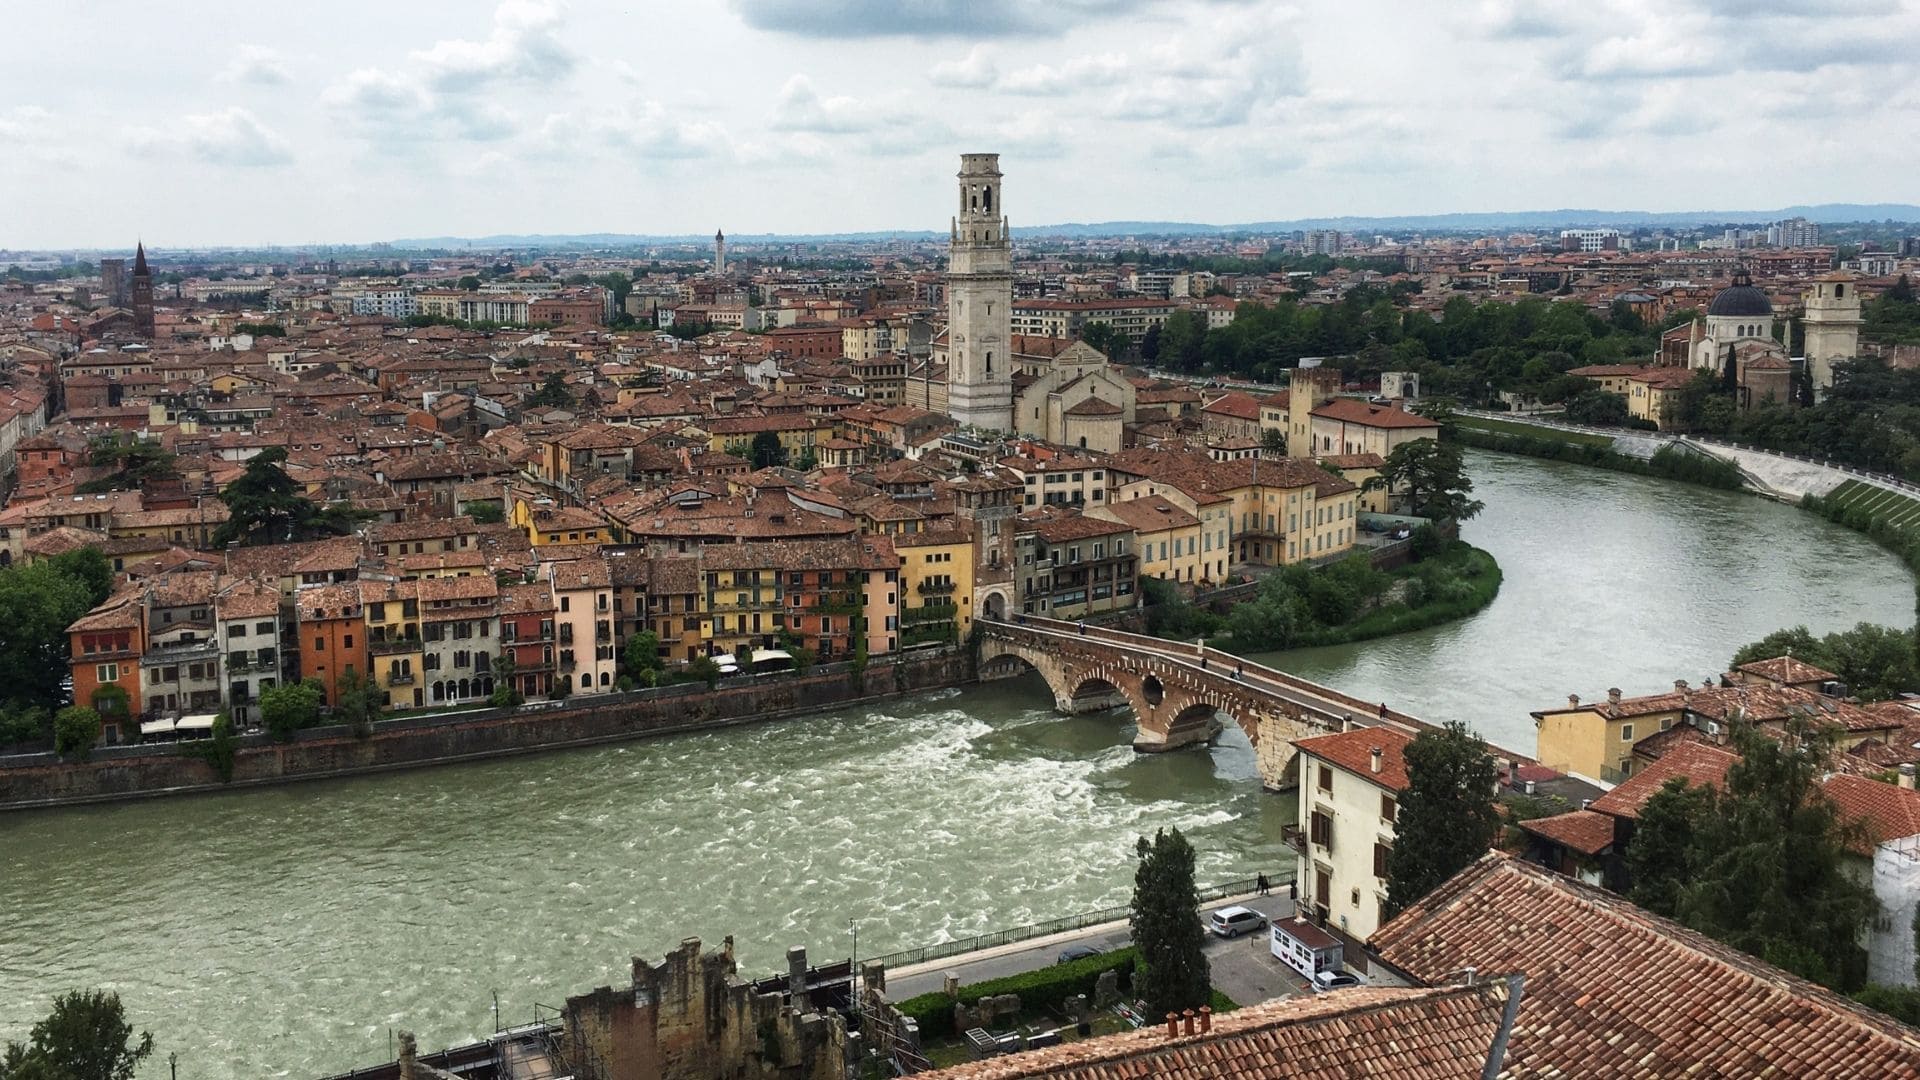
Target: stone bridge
(1177, 690)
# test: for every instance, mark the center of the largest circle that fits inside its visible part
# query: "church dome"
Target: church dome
(1741, 298)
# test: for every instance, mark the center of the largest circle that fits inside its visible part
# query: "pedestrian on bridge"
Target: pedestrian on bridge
(1383, 710)
(1238, 673)
(1083, 628)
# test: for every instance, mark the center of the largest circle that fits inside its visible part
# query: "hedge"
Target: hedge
(1043, 989)
(1668, 463)
(1902, 542)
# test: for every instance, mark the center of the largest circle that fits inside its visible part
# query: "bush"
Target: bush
(26, 724)
(1900, 1002)
(221, 750)
(1047, 988)
(76, 731)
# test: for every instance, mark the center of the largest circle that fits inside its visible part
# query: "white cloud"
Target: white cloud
(1078, 74)
(975, 71)
(233, 136)
(256, 64)
(802, 108)
(524, 45)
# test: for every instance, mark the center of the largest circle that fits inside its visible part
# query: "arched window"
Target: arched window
(986, 199)
(464, 690)
(586, 680)
(989, 361)
(1839, 291)
(604, 680)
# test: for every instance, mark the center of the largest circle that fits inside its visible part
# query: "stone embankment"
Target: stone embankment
(115, 773)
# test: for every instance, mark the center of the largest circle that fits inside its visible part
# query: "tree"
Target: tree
(1767, 863)
(1660, 859)
(704, 669)
(135, 462)
(486, 513)
(76, 731)
(358, 702)
(1274, 442)
(640, 657)
(85, 1037)
(1433, 475)
(469, 283)
(37, 604)
(1598, 408)
(289, 707)
(1165, 917)
(768, 450)
(1104, 336)
(265, 507)
(506, 693)
(1446, 817)
(1875, 662)
(553, 393)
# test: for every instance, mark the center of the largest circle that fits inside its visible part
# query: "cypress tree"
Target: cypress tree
(1166, 927)
(1446, 817)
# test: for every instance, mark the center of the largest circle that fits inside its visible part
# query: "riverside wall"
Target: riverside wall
(117, 773)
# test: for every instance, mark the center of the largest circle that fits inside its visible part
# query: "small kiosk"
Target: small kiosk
(1305, 947)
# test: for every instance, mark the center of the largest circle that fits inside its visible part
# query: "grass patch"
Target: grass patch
(1889, 518)
(1533, 431)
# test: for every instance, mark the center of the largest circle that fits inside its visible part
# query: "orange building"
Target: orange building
(106, 645)
(333, 635)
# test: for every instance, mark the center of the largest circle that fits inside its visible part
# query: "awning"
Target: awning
(762, 655)
(155, 727)
(200, 722)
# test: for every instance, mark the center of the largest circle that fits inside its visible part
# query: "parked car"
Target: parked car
(1336, 980)
(1400, 532)
(1231, 922)
(1076, 952)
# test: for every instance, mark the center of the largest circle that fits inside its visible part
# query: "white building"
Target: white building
(1350, 787)
(980, 301)
(392, 303)
(1590, 240)
(1793, 233)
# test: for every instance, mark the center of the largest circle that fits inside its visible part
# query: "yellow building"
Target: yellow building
(798, 433)
(1654, 393)
(1613, 378)
(1291, 510)
(1357, 469)
(392, 611)
(548, 525)
(1170, 538)
(936, 583)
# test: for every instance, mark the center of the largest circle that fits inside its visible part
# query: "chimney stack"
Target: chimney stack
(1613, 695)
(1187, 1015)
(1573, 701)
(1206, 1019)
(1680, 686)
(1376, 759)
(1906, 776)
(1173, 1025)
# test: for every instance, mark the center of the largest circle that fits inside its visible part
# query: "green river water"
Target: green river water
(285, 932)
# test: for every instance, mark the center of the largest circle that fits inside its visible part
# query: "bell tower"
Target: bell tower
(980, 301)
(1832, 321)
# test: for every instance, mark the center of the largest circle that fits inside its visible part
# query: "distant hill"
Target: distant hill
(1533, 220)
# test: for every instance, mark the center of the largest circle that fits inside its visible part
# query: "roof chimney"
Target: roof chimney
(1173, 1025)
(1573, 701)
(1375, 764)
(1906, 776)
(1613, 695)
(1680, 686)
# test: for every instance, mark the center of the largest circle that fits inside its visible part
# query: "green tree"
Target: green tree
(704, 669)
(1660, 859)
(1446, 817)
(469, 283)
(1274, 441)
(37, 604)
(1875, 662)
(221, 749)
(553, 393)
(1768, 872)
(1598, 408)
(265, 507)
(358, 702)
(1433, 476)
(76, 731)
(1165, 919)
(25, 724)
(85, 1037)
(135, 462)
(506, 691)
(289, 707)
(640, 657)
(767, 450)
(486, 513)
(1105, 337)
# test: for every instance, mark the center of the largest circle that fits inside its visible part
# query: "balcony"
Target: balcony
(181, 652)
(393, 646)
(566, 634)
(400, 678)
(937, 588)
(1294, 837)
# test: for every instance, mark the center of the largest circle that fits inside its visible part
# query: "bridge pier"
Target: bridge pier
(1184, 731)
(1090, 700)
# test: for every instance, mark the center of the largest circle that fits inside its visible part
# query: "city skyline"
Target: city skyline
(559, 118)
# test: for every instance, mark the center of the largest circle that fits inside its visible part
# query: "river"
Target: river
(285, 932)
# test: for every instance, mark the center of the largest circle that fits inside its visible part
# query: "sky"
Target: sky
(226, 123)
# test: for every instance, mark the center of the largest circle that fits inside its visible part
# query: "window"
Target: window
(566, 603)
(347, 642)
(1380, 854)
(1326, 779)
(1388, 808)
(1626, 732)
(1320, 830)
(319, 645)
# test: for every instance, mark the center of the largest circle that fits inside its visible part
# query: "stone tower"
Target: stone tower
(1832, 323)
(719, 252)
(142, 294)
(980, 301)
(1307, 390)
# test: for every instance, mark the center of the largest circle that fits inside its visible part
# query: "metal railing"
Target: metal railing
(993, 939)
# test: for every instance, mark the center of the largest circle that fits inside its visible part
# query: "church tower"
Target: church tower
(142, 295)
(1832, 323)
(719, 252)
(980, 301)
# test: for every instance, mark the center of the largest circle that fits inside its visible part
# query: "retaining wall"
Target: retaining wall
(116, 773)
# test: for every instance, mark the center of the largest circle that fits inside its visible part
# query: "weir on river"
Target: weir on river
(283, 932)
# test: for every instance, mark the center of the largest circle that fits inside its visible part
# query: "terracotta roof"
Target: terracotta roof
(1615, 991)
(1388, 1032)
(1885, 811)
(1786, 670)
(1702, 766)
(1584, 831)
(1094, 406)
(1353, 751)
(1355, 411)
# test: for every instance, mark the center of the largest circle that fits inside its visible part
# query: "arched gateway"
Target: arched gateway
(1175, 689)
